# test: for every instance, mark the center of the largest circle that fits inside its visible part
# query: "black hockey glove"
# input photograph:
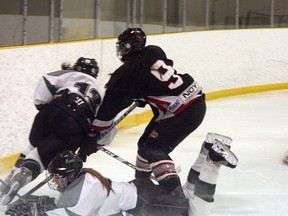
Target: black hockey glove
(23, 209)
(31, 206)
(140, 103)
(41, 106)
(90, 146)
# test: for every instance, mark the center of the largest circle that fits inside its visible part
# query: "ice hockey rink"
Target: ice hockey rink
(258, 124)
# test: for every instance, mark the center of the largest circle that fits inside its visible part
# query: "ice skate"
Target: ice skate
(5, 185)
(210, 137)
(222, 155)
(20, 178)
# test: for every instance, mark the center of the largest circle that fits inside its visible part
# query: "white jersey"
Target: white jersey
(87, 197)
(84, 85)
(76, 82)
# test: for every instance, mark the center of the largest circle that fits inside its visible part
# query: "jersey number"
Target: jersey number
(84, 87)
(165, 73)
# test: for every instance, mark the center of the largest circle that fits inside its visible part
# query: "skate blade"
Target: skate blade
(222, 138)
(7, 198)
(231, 159)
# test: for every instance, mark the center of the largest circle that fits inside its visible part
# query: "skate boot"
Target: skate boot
(210, 137)
(4, 186)
(21, 177)
(220, 154)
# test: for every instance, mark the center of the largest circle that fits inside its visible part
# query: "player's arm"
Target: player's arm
(45, 91)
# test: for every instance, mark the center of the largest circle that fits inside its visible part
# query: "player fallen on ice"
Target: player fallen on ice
(84, 191)
(67, 101)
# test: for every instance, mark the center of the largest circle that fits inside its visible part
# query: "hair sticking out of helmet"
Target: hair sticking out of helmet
(87, 65)
(132, 40)
(66, 66)
(64, 168)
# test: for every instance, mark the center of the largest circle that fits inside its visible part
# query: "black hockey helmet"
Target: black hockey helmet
(130, 41)
(64, 168)
(87, 65)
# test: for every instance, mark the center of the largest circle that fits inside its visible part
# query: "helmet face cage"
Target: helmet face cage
(57, 182)
(64, 168)
(87, 65)
(131, 40)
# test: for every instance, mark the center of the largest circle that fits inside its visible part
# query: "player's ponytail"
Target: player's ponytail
(104, 181)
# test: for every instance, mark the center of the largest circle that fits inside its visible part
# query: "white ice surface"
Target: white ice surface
(258, 124)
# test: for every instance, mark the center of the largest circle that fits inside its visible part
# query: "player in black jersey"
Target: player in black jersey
(177, 102)
(67, 101)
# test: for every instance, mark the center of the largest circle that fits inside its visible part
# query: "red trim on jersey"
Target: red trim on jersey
(158, 103)
(97, 128)
(184, 106)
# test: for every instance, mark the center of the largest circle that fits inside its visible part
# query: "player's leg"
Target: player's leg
(193, 176)
(143, 169)
(3, 187)
(67, 136)
(20, 176)
(202, 201)
(37, 132)
(165, 137)
(169, 205)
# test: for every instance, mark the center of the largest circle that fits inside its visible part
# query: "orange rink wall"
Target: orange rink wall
(134, 120)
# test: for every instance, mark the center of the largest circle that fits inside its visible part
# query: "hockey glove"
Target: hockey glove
(45, 203)
(23, 209)
(140, 103)
(90, 146)
(40, 106)
(31, 206)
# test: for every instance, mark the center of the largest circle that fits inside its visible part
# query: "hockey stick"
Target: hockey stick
(38, 186)
(131, 108)
(118, 158)
(101, 135)
(178, 168)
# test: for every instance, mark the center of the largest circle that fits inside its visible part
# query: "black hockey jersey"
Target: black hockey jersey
(149, 76)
